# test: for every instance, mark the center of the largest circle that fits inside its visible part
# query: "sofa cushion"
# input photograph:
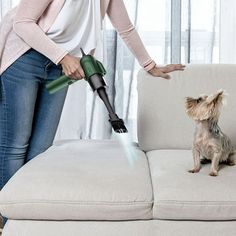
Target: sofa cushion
(181, 195)
(162, 120)
(80, 180)
(117, 228)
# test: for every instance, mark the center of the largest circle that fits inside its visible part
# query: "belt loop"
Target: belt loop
(47, 65)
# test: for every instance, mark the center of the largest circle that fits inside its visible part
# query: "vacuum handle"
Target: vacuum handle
(64, 81)
(91, 67)
(59, 84)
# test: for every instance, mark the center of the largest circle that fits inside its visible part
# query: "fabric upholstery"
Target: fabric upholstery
(162, 120)
(80, 180)
(127, 228)
(179, 195)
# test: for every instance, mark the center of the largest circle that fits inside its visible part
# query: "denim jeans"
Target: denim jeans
(29, 115)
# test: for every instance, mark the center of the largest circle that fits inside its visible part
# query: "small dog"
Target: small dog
(209, 141)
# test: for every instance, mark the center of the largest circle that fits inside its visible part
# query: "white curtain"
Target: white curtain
(227, 31)
(186, 31)
(5, 5)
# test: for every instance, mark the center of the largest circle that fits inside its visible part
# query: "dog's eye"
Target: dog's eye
(199, 100)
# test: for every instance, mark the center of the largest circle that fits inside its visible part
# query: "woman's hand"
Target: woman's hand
(164, 70)
(72, 68)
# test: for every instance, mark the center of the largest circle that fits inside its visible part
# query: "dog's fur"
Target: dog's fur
(209, 141)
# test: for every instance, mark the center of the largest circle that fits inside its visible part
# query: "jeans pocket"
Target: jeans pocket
(33, 57)
(29, 65)
(53, 71)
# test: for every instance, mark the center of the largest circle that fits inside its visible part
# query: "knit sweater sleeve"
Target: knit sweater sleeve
(26, 27)
(121, 22)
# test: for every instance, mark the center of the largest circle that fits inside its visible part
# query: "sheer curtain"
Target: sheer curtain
(5, 5)
(173, 31)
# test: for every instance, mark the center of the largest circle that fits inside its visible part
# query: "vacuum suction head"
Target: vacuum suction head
(118, 126)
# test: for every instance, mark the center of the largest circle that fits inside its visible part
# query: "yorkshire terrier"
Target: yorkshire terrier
(210, 142)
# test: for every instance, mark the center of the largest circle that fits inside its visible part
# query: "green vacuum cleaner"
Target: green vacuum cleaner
(94, 72)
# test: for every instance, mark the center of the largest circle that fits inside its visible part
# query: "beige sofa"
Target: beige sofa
(89, 188)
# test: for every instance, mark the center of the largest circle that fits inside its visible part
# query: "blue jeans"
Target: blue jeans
(29, 115)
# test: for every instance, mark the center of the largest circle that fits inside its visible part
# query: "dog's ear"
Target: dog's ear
(190, 102)
(217, 98)
(189, 99)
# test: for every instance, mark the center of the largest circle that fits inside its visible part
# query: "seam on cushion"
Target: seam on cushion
(229, 203)
(79, 203)
(150, 176)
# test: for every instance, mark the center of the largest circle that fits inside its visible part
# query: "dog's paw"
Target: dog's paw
(194, 171)
(214, 173)
(231, 163)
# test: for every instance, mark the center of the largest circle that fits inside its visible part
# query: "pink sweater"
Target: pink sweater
(24, 27)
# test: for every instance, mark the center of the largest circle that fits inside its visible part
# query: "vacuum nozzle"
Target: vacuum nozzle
(118, 126)
(117, 123)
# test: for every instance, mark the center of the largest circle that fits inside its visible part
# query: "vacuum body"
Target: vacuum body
(94, 72)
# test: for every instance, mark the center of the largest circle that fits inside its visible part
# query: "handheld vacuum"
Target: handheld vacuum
(94, 72)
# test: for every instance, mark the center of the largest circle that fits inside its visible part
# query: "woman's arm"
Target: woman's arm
(121, 22)
(25, 25)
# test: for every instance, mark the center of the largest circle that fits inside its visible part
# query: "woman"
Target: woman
(40, 40)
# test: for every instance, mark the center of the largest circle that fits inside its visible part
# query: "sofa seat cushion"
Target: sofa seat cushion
(118, 228)
(181, 195)
(80, 180)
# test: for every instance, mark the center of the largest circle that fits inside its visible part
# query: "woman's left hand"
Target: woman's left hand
(163, 71)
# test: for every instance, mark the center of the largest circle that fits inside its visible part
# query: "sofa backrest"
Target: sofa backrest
(162, 120)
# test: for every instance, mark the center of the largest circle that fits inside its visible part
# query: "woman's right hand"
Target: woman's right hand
(71, 67)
